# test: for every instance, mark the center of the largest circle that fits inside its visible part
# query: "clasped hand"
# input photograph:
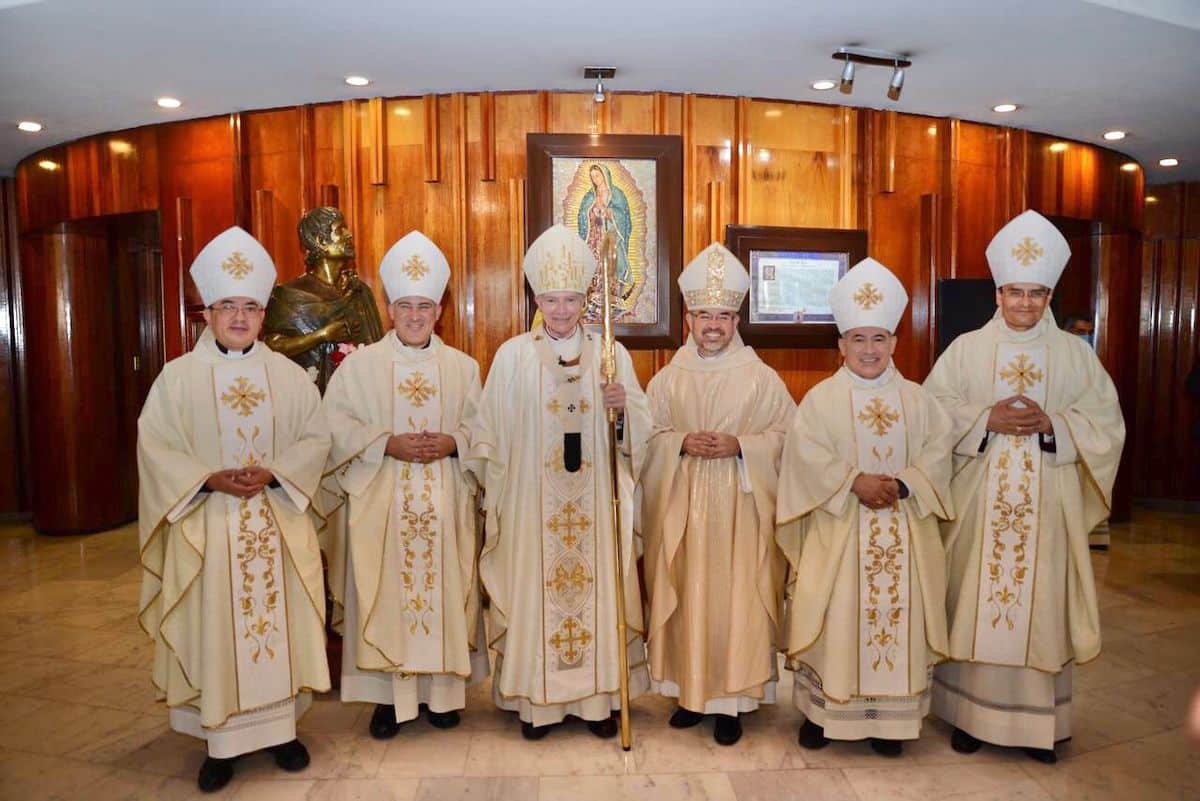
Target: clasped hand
(241, 482)
(1019, 416)
(422, 448)
(876, 491)
(710, 445)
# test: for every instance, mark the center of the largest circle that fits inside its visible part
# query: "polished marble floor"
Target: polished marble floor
(78, 718)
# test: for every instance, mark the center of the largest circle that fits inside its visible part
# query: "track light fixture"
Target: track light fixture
(846, 86)
(599, 74)
(852, 55)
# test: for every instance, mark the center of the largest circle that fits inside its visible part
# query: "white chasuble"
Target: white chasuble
(883, 549)
(417, 519)
(246, 420)
(1010, 517)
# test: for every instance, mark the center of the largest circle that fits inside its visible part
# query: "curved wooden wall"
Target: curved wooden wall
(931, 192)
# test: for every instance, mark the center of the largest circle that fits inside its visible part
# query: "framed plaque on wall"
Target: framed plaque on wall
(792, 271)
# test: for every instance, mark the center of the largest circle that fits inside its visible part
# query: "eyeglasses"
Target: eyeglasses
(1021, 294)
(232, 309)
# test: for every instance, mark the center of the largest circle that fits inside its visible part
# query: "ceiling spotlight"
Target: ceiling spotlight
(1058, 147)
(847, 81)
(357, 80)
(1130, 166)
(823, 86)
(1168, 162)
(169, 102)
(599, 75)
(29, 126)
(1004, 108)
(1113, 136)
(897, 84)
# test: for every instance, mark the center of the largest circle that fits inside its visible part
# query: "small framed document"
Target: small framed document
(792, 271)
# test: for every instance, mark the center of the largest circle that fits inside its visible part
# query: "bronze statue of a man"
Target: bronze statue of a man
(307, 318)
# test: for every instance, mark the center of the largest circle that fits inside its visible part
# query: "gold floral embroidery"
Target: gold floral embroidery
(570, 581)
(884, 562)
(418, 539)
(415, 268)
(237, 265)
(1021, 374)
(417, 389)
(879, 416)
(567, 522)
(243, 396)
(867, 296)
(1006, 587)
(1027, 251)
(570, 640)
(258, 624)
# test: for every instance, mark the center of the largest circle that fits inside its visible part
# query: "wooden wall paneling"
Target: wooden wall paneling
(43, 197)
(1165, 348)
(242, 190)
(885, 148)
(1118, 285)
(487, 136)
(195, 163)
(377, 140)
(13, 410)
(462, 279)
(70, 304)
(329, 150)
(516, 252)
(329, 196)
(272, 155)
(980, 180)
(1147, 338)
(352, 158)
(1182, 476)
(433, 158)
(83, 178)
(126, 164)
(544, 121)
(742, 156)
(306, 144)
(849, 167)
(631, 113)
(950, 137)
(571, 112)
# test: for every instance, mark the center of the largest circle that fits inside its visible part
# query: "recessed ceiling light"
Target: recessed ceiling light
(1058, 147)
(1130, 166)
(357, 80)
(47, 164)
(822, 86)
(29, 126)
(1113, 136)
(1004, 108)
(169, 102)
(1151, 199)
(1168, 162)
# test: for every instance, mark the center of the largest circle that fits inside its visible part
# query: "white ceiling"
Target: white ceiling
(1076, 67)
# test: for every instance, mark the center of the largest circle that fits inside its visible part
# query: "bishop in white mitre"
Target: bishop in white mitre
(1037, 438)
(713, 572)
(402, 549)
(231, 446)
(540, 447)
(865, 478)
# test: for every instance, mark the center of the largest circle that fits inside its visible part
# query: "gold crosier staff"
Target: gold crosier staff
(608, 371)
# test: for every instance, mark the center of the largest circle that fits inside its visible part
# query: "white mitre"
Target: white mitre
(559, 261)
(715, 279)
(1028, 250)
(868, 296)
(233, 265)
(414, 267)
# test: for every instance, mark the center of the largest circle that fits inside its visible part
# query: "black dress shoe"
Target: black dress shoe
(383, 722)
(887, 748)
(214, 774)
(685, 718)
(603, 729)
(531, 732)
(443, 720)
(1044, 755)
(292, 757)
(964, 743)
(728, 729)
(812, 736)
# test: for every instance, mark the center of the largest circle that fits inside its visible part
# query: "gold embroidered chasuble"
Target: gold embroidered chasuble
(232, 591)
(714, 574)
(405, 541)
(864, 621)
(1021, 590)
(547, 560)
